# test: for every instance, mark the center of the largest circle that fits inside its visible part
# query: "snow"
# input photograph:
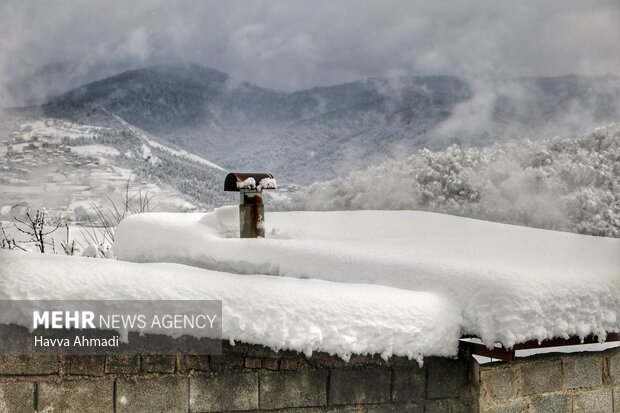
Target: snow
(279, 312)
(265, 183)
(404, 283)
(147, 154)
(182, 154)
(95, 150)
(249, 183)
(569, 184)
(589, 347)
(268, 183)
(509, 284)
(97, 251)
(57, 129)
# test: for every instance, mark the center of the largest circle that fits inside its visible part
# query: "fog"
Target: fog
(49, 47)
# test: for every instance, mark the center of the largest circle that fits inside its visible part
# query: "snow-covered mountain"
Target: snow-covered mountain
(87, 156)
(324, 132)
(170, 126)
(301, 136)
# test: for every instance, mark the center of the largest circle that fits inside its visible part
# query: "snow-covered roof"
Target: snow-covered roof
(511, 284)
(279, 312)
(388, 282)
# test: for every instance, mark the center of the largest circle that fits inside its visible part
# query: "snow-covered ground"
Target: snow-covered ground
(510, 284)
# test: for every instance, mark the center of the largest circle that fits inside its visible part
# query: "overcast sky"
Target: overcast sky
(48, 47)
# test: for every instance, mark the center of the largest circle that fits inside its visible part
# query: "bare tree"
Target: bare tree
(9, 243)
(109, 218)
(35, 229)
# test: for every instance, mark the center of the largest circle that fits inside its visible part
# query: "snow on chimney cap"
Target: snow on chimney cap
(256, 181)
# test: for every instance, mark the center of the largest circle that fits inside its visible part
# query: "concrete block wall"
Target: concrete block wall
(245, 378)
(574, 383)
(249, 378)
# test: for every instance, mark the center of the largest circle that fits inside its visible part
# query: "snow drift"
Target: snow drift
(509, 284)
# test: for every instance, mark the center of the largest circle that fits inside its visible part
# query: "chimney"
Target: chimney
(251, 208)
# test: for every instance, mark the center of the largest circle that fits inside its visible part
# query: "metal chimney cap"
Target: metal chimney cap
(236, 181)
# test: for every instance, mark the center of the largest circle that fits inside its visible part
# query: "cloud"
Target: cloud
(49, 47)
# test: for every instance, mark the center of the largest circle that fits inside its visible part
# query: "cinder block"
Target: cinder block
(86, 365)
(286, 389)
(17, 397)
(437, 406)
(498, 383)
(320, 359)
(252, 363)
(367, 361)
(289, 364)
(594, 401)
(226, 362)
(197, 363)
(231, 391)
(79, 396)
(541, 376)
(117, 364)
(28, 365)
(582, 371)
(270, 363)
(459, 406)
(252, 350)
(366, 408)
(158, 364)
(517, 405)
(550, 403)
(359, 386)
(408, 384)
(446, 377)
(160, 394)
(614, 367)
(17, 340)
(388, 408)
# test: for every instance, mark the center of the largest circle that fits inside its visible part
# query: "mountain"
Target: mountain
(177, 129)
(301, 136)
(165, 98)
(68, 161)
(548, 106)
(324, 132)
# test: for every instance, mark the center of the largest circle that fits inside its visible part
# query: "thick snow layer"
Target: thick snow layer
(280, 312)
(249, 183)
(509, 283)
(268, 183)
